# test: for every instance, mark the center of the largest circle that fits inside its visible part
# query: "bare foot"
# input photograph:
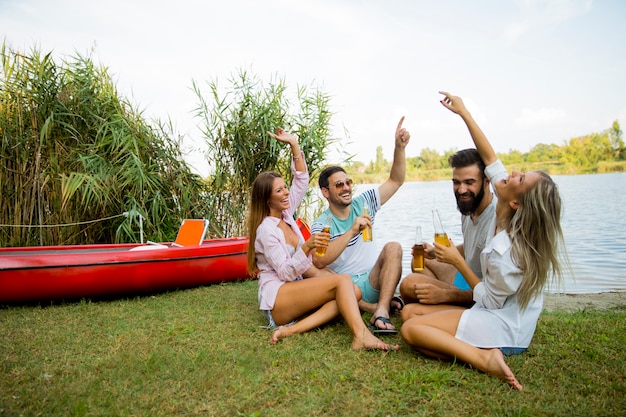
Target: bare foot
(369, 341)
(496, 366)
(280, 333)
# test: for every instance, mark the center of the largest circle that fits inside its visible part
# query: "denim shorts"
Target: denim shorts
(509, 351)
(271, 323)
(369, 294)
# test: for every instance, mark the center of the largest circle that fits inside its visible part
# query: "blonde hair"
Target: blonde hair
(259, 209)
(536, 237)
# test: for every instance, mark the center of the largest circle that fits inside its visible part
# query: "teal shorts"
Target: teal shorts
(460, 282)
(369, 294)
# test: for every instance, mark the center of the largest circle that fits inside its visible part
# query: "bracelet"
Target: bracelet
(296, 158)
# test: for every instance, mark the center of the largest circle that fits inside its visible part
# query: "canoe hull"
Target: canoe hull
(56, 273)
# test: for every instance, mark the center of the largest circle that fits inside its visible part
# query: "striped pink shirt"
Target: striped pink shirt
(277, 261)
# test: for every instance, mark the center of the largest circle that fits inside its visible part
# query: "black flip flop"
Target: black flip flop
(400, 301)
(376, 330)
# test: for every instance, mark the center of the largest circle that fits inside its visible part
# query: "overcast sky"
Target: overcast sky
(531, 71)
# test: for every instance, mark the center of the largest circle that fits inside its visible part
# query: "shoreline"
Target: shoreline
(584, 302)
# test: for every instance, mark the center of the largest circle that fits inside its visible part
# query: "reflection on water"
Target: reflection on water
(593, 224)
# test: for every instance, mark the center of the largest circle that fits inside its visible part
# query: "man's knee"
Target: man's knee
(391, 250)
(406, 285)
(432, 269)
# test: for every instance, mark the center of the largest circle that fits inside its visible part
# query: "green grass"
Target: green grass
(202, 352)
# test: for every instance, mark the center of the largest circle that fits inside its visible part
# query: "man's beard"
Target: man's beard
(468, 207)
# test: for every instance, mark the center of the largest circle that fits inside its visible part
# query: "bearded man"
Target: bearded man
(441, 283)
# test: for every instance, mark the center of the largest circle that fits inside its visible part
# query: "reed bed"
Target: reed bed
(234, 123)
(76, 155)
(74, 151)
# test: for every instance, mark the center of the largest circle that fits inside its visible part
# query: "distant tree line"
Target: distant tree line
(596, 152)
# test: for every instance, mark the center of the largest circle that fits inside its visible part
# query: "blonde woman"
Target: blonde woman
(279, 256)
(520, 253)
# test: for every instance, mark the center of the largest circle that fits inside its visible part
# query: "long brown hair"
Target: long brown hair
(536, 237)
(259, 196)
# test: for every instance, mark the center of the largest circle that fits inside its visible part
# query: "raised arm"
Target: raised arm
(286, 137)
(455, 105)
(398, 167)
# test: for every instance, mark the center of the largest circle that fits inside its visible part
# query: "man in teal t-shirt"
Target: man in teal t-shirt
(377, 275)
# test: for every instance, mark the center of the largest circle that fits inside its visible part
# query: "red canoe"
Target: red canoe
(52, 273)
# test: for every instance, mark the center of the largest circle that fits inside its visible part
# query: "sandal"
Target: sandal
(398, 300)
(377, 330)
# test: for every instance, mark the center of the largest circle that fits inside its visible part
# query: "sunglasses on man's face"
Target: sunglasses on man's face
(339, 184)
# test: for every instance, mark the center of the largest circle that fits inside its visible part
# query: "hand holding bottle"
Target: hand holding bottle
(449, 255)
(325, 235)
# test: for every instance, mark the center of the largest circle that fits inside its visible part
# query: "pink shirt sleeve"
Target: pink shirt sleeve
(298, 190)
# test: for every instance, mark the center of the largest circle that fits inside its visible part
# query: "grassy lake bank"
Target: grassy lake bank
(202, 352)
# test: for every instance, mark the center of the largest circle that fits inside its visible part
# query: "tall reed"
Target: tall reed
(234, 124)
(73, 151)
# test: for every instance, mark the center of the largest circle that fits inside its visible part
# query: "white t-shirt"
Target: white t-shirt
(475, 235)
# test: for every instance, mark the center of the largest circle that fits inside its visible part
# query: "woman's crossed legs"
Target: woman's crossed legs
(316, 301)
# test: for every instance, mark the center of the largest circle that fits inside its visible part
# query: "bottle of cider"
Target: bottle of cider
(367, 232)
(321, 250)
(418, 251)
(440, 235)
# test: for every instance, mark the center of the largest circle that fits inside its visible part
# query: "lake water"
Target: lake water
(593, 222)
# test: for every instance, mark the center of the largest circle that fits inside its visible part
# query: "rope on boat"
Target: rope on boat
(64, 224)
(125, 214)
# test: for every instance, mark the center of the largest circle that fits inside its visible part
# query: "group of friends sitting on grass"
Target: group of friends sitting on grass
(476, 302)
